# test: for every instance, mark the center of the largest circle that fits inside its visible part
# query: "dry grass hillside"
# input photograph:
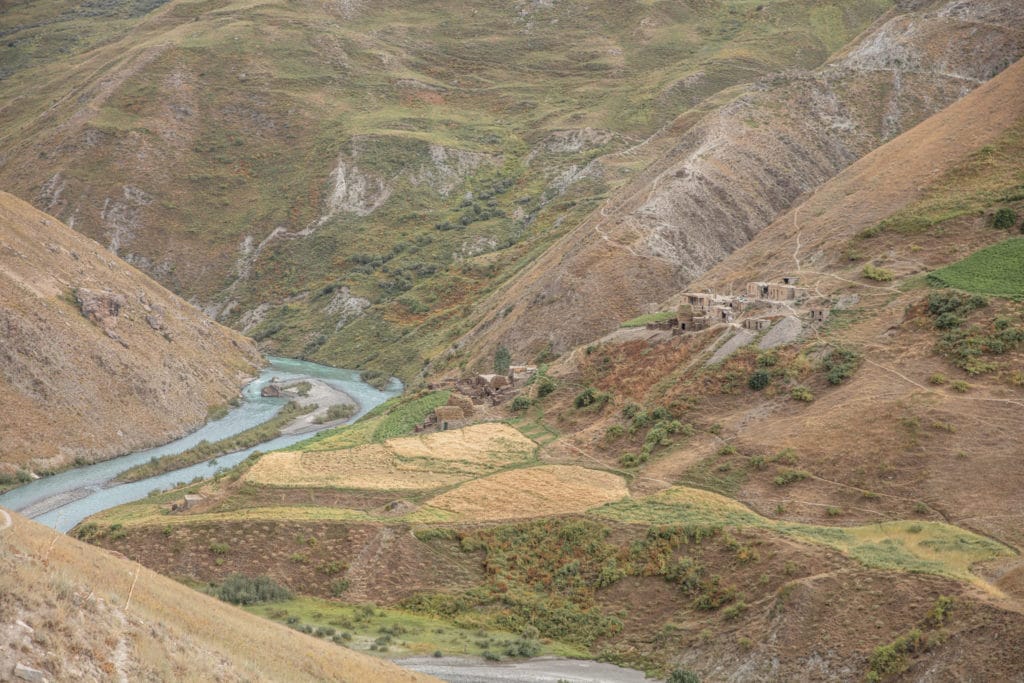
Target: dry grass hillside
(76, 612)
(713, 182)
(96, 359)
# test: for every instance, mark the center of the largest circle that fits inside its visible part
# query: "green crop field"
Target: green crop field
(997, 270)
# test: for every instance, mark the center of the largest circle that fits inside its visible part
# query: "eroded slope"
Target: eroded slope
(96, 359)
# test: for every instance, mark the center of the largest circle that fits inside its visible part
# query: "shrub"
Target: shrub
(682, 676)
(801, 394)
(787, 477)
(938, 379)
(339, 411)
(632, 459)
(219, 548)
(840, 364)
(877, 274)
(545, 386)
(332, 567)
(940, 612)
(239, 589)
(521, 402)
(786, 457)
(1004, 219)
(614, 432)
(759, 380)
(833, 511)
(959, 386)
(734, 610)
(338, 587)
(523, 647)
(954, 302)
(590, 396)
(891, 658)
(375, 378)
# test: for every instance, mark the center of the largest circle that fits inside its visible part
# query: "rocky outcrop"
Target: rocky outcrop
(102, 308)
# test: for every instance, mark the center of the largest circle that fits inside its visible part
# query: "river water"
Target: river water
(63, 500)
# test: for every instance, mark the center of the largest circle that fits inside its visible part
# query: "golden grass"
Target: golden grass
(411, 463)
(532, 492)
(166, 631)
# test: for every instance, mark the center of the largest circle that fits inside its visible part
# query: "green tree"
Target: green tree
(1004, 219)
(502, 359)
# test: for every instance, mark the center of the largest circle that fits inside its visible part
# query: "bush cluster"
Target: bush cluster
(239, 589)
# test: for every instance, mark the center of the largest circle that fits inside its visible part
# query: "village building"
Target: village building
(820, 315)
(699, 302)
(521, 373)
(492, 381)
(723, 314)
(757, 323)
(758, 290)
(694, 324)
(777, 292)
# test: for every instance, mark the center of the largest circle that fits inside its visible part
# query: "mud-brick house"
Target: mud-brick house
(758, 290)
(781, 292)
(699, 302)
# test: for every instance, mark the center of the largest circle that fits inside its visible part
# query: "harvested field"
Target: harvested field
(532, 492)
(411, 463)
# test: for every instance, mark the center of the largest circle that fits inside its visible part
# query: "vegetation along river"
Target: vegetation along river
(63, 500)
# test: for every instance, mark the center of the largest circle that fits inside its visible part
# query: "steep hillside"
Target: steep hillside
(96, 359)
(724, 177)
(832, 493)
(74, 612)
(343, 180)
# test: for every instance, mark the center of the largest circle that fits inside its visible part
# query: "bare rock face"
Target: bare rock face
(101, 307)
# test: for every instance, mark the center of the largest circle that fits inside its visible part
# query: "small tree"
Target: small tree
(759, 380)
(502, 360)
(1004, 219)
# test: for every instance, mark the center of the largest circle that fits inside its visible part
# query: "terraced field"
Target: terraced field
(531, 492)
(410, 463)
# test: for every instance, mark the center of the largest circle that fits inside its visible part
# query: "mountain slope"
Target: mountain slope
(96, 359)
(343, 180)
(730, 174)
(74, 611)
(837, 502)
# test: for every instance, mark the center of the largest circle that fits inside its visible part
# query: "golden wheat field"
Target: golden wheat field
(532, 492)
(409, 463)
